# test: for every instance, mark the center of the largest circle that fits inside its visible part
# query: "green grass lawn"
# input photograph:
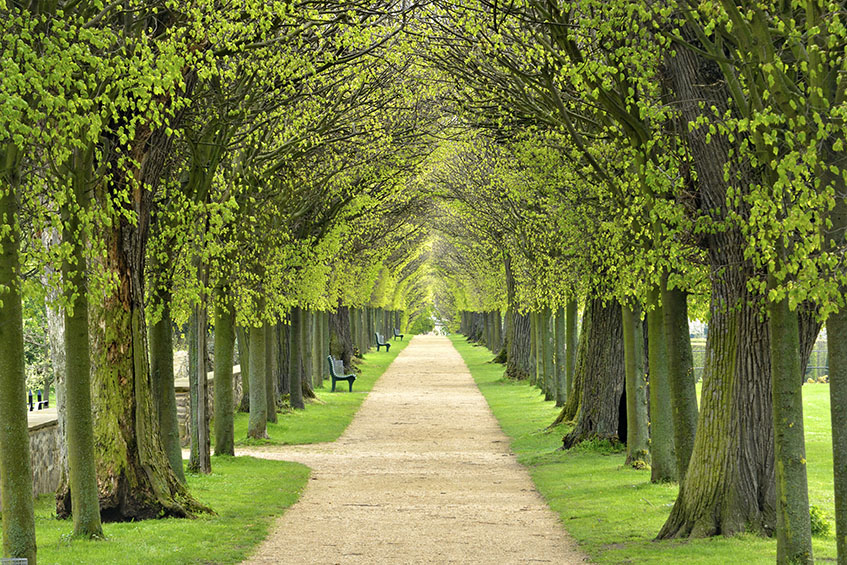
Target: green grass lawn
(246, 493)
(327, 418)
(613, 511)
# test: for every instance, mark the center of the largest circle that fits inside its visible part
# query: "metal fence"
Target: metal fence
(817, 366)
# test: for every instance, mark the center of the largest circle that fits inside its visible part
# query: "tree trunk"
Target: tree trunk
(82, 474)
(318, 349)
(308, 354)
(162, 372)
(15, 470)
(561, 365)
(680, 376)
(572, 339)
(224, 403)
(579, 355)
(837, 361)
(340, 342)
(729, 483)
(546, 348)
(599, 377)
(244, 365)
(199, 459)
(663, 467)
(637, 436)
(271, 369)
(535, 353)
(518, 343)
(257, 426)
(298, 345)
(135, 476)
(793, 525)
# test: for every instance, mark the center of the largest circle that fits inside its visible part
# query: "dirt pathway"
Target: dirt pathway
(423, 474)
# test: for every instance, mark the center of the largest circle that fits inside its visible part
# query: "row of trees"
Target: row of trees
(247, 169)
(653, 161)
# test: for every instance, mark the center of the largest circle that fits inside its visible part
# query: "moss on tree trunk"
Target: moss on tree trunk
(15, 472)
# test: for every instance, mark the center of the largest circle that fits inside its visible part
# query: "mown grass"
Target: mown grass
(613, 511)
(246, 493)
(326, 418)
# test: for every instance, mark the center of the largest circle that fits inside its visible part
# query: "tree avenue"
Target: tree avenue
(568, 184)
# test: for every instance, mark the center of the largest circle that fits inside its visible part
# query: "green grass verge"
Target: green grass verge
(246, 494)
(327, 418)
(613, 511)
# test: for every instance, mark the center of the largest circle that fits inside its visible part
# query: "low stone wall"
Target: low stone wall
(183, 406)
(44, 446)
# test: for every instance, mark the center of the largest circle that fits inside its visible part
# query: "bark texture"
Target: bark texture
(224, 402)
(257, 426)
(600, 373)
(729, 484)
(663, 457)
(517, 361)
(15, 472)
(793, 524)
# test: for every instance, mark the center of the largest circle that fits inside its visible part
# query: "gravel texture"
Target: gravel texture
(423, 474)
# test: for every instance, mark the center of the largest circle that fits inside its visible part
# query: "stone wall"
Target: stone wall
(44, 446)
(183, 407)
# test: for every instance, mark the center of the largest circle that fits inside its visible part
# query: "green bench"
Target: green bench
(398, 334)
(336, 371)
(380, 342)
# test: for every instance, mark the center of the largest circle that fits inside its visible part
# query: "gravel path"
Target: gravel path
(423, 474)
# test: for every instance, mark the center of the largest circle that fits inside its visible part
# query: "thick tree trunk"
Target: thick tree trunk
(244, 365)
(82, 474)
(297, 354)
(599, 376)
(257, 426)
(135, 476)
(793, 525)
(637, 429)
(15, 471)
(224, 402)
(663, 466)
(518, 343)
(199, 459)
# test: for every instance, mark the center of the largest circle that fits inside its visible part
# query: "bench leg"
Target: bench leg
(333, 385)
(387, 347)
(350, 382)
